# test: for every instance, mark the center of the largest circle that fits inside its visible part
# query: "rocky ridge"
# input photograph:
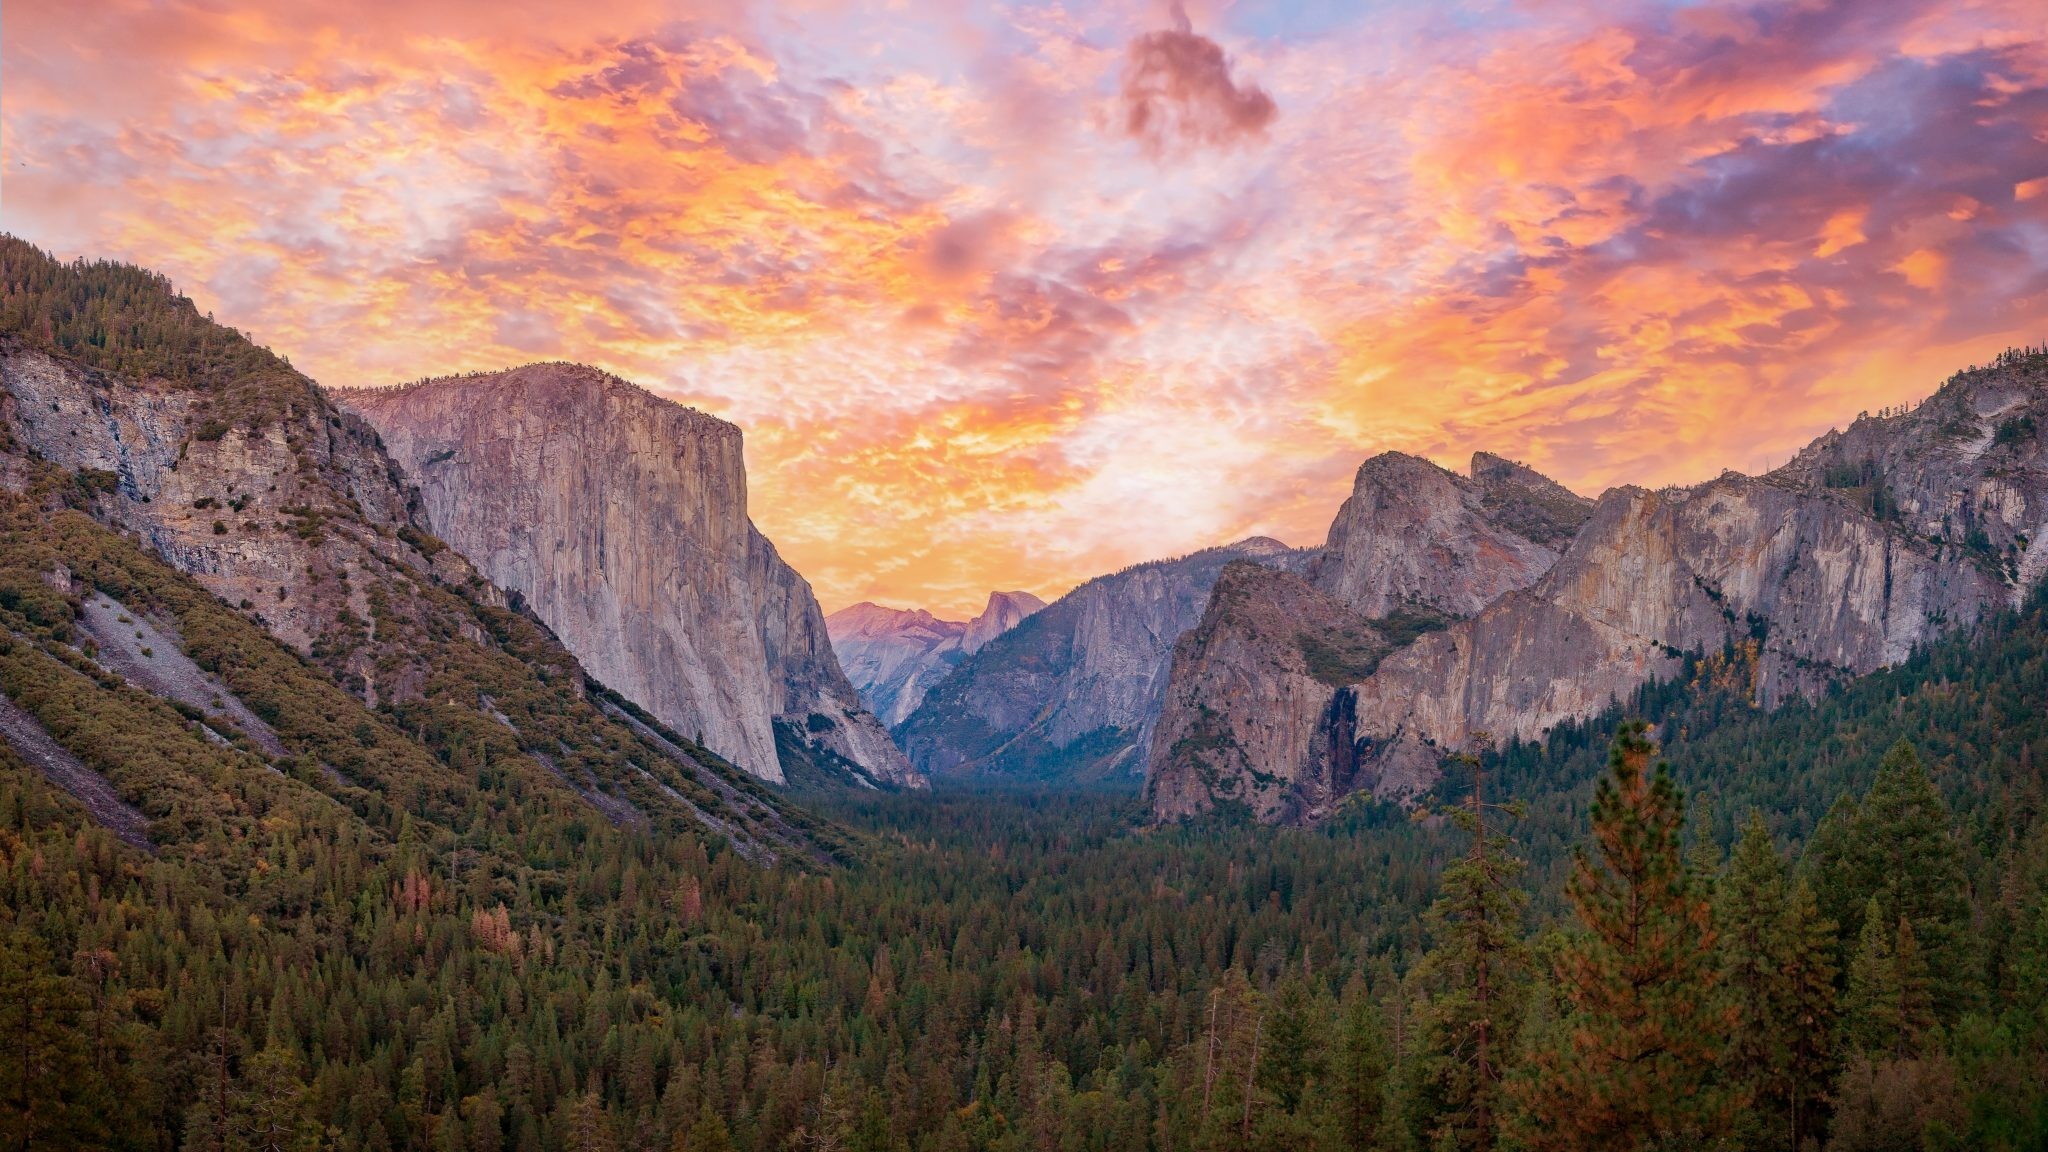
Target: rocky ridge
(620, 519)
(894, 655)
(1872, 541)
(1413, 534)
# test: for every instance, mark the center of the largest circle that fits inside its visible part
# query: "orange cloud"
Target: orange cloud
(978, 336)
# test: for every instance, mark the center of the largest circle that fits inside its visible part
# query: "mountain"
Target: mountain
(1257, 715)
(620, 519)
(168, 478)
(1871, 542)
(1073, 691)
(893, 655)
(1415, 535)
(1258, 683)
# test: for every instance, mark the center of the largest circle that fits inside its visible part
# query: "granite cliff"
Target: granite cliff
(894, 655)
(1414, 535)
(1259, 682)
(1872, 541)
(1073, 692)
(620, 519)
(413, 684)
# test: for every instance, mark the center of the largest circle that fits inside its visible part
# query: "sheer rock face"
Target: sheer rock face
(1413, 534)
(1870, 542)
(621, 519)
(1073, 691)
(1257, 714)
(894, 656)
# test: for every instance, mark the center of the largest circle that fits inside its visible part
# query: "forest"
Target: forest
(1018, 971)
(1682, 924)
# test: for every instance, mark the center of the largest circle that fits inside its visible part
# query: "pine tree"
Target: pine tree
(1647, 1024)
(270, 1104)
(1294, 1048)
(1475, 969)
(1359, 1073)
(1904, 853)
(1809, 1007)
(1754, 950)
(1870, 1004)
(49, 1092)
(1915, 984)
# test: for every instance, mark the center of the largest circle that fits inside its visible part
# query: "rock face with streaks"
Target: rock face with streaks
(1072, 693)
(893, 656)
(273, 499)
(1872, 541)
(1261, 682)
(1258, 713)
(621, 521)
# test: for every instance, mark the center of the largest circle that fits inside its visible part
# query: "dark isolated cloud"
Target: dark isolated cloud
(1178, 91)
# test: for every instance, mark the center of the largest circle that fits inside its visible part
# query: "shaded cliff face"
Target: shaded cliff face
(893, 656)
(621, 520)
(1073, 691)
(1416, 535)
(1261, 682)
(1869, 543)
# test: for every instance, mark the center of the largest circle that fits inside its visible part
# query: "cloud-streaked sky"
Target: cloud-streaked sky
(1009, 295)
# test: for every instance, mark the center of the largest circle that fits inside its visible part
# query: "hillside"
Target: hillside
(123, 405)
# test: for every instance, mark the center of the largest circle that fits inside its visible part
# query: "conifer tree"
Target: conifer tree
(1754, 943)
(49, 1092)
(1870, 1004)
(1647, 1024)
(1293, 1049)
(1915, 984)
(1358, 1072)
(1902, 851)
(1475, 968)
(1809, 1007)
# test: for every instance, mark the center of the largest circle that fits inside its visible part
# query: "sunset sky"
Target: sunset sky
(1009, 295)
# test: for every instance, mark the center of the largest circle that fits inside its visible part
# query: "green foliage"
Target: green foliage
(1647, 1023)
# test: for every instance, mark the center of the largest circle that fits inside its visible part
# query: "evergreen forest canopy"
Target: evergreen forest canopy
(1825, 926)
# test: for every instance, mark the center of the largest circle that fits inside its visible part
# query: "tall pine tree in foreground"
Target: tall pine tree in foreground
(1637, 1069)
(1810, 1009)
(1476, 970)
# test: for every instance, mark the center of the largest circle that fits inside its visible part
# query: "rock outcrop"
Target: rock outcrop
(1869, 543)
(894, 655)
(620, 519)
(1413, 534)
(1073, 692)
(1262, 682)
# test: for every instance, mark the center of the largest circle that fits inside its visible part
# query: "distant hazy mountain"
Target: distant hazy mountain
(1072, 692)
(893, 655)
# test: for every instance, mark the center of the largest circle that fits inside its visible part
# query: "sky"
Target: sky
(1011, 295)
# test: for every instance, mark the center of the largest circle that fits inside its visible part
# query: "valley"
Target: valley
(457, 765)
